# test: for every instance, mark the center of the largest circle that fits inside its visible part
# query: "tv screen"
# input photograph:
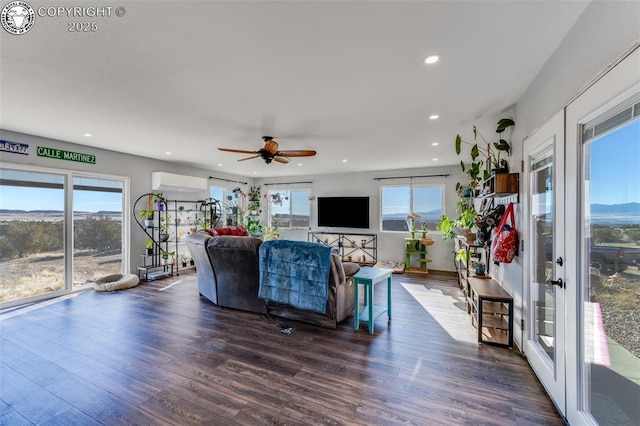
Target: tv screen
(343, 212)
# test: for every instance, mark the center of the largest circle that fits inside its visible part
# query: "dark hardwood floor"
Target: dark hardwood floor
(159, 354)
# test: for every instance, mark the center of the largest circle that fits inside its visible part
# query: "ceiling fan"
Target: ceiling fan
(270, 152)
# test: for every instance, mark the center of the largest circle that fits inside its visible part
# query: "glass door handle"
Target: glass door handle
(557, 282)
(560, 261)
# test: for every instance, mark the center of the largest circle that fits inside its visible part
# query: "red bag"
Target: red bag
(505, 241)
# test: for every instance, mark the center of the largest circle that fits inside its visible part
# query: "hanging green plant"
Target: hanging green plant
(486, 158)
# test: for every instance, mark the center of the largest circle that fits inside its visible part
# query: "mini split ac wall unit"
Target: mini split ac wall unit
(162, 181)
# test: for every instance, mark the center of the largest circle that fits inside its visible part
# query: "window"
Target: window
(610, 252)
(289, 208)
(398, 201)
(232, 203)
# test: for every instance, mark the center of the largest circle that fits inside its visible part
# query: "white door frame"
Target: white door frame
(620, 83)
(551, 373)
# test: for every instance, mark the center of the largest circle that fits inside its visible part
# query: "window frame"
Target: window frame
(411, 187)
(289, 190)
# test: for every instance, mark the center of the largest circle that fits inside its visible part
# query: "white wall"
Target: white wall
(138, 169)
(599, 37)
(390, 244)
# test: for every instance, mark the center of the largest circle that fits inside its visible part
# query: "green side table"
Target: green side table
(368, 277)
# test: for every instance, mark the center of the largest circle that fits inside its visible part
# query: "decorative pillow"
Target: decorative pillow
(238, 231)
(211, 232)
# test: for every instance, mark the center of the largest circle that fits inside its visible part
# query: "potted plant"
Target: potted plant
(149, 246)
(147, 216)
(192, 262)
(183, 260)
(276, 199)
(158, 198)
(164, 231)
(254, 228)
(269, 233)
(479, 268)
(254, 208)
(461, 256)
(463, 224)
(165, 257)
(486, 157)
(254, 193)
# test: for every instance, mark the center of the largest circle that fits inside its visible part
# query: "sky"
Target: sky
(614, 173)
(615, 166)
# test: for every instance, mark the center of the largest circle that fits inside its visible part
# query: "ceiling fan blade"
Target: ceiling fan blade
(241, 151)
(249, 158)
(298, 153)
(281, 159)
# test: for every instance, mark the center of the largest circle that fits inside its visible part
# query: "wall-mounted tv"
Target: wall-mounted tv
(343, 212)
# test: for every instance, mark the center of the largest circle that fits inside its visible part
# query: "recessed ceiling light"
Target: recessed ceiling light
(435, 143)
(255, 173)
(299, 164)
(168, 152)
(88, 135)
(345, 160)
(432, 59)
(435, 159)
(434, 117)
(219, 164)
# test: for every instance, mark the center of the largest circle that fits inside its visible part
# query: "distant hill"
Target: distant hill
(432, 215)
(629, 209)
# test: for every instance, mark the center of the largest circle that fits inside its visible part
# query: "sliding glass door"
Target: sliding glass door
(58, 232)
(31, 234)
(97, 228)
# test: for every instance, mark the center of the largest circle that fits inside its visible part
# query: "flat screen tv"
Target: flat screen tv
(343, 212)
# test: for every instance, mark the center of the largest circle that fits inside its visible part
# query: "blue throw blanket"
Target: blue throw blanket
(295, 273)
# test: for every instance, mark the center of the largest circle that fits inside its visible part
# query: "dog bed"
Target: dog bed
(116, 282)
(398, 267)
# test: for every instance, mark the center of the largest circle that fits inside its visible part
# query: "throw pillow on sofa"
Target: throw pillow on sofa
(238, 231)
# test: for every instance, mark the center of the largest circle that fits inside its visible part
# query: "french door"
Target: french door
(603, 133)
(544, 271)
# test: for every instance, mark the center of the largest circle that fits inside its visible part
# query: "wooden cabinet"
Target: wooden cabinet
(357, 248)
(501, 184)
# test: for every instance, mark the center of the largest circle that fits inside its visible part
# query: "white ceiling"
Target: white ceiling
(345, 78)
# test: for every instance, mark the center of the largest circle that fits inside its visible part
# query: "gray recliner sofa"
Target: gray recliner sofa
(229, 276)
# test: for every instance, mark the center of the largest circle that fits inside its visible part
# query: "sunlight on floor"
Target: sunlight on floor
(446, 310)
(19, 310)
